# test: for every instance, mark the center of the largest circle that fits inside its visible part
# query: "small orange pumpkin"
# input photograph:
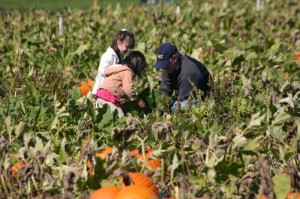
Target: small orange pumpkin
(297, 56)
(104, 153)
(134, 152)
(143, 180)
(84, 88)
(293, 196)
(15, 155)
(136, 192)
(90, 83)
(151, 164)
(16, 168)
(108, 192)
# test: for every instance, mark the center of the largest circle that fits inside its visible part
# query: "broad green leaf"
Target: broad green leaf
(50, 159)
(39, 144)
(174, 166)
(19, 129)
(251, 55)
(239, 141)
(141, 47)
(256, 120)
(253, 144)
(9, 127)
(282, 185)
(277, 132)
(281, 117)
(81, 49)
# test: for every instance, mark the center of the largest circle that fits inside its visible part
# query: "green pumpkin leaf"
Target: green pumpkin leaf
(282, 185)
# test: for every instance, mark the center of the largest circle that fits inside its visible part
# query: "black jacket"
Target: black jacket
(189, 69)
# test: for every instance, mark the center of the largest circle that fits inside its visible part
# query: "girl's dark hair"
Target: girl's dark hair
(136, 61)
(122, 35)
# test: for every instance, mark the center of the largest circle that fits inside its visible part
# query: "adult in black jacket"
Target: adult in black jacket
(181, 73)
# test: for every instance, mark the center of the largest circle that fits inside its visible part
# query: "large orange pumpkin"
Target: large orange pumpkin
(262, 197)
(108, 192)
(143, 180)
(136, 192)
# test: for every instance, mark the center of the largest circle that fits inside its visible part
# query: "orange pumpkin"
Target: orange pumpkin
(136, 192)
(297, 56)
(151, 164)
(293, 196)
(84, 88)
(108, 192)
(134, 152)
(15, 155)
(143, 180)
(16, 168)
(90, 83)
(104, 153)
(262, 197)
(88, 164)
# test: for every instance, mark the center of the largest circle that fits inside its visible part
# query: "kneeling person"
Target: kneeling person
(180, 74)
(117, 86)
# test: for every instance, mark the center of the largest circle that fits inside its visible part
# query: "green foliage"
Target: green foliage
(208, 151)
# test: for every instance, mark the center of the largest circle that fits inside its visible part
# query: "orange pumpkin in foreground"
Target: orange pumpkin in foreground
(136, 192)
(109, 192)
(143, 180)
(293, 196)
(262, 197)
(129, 192)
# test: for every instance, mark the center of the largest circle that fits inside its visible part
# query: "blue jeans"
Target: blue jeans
(183, 104)
(153, 2)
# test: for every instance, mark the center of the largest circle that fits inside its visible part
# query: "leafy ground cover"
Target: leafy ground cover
(59, 4)
(242, 142)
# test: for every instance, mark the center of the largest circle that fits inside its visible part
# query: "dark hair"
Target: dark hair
(122, 35)
(136, 61)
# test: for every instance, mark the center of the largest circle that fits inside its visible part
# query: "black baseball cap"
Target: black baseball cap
(164, 54)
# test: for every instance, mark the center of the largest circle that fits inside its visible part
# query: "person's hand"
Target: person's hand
(142, 104)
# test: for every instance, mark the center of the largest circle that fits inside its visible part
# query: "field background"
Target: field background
(60, 4)
(242, 142)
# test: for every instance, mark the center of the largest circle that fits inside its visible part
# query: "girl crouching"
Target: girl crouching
(117, 86)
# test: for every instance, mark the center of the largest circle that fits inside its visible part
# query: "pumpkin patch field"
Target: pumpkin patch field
(241, 142)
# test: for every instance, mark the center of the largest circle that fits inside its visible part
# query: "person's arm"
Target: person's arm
(129, 90)
(166, 85)
(106, 61)
(186, 84)
(127, 82)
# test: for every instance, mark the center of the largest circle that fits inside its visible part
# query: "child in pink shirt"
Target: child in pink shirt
(117, 86)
